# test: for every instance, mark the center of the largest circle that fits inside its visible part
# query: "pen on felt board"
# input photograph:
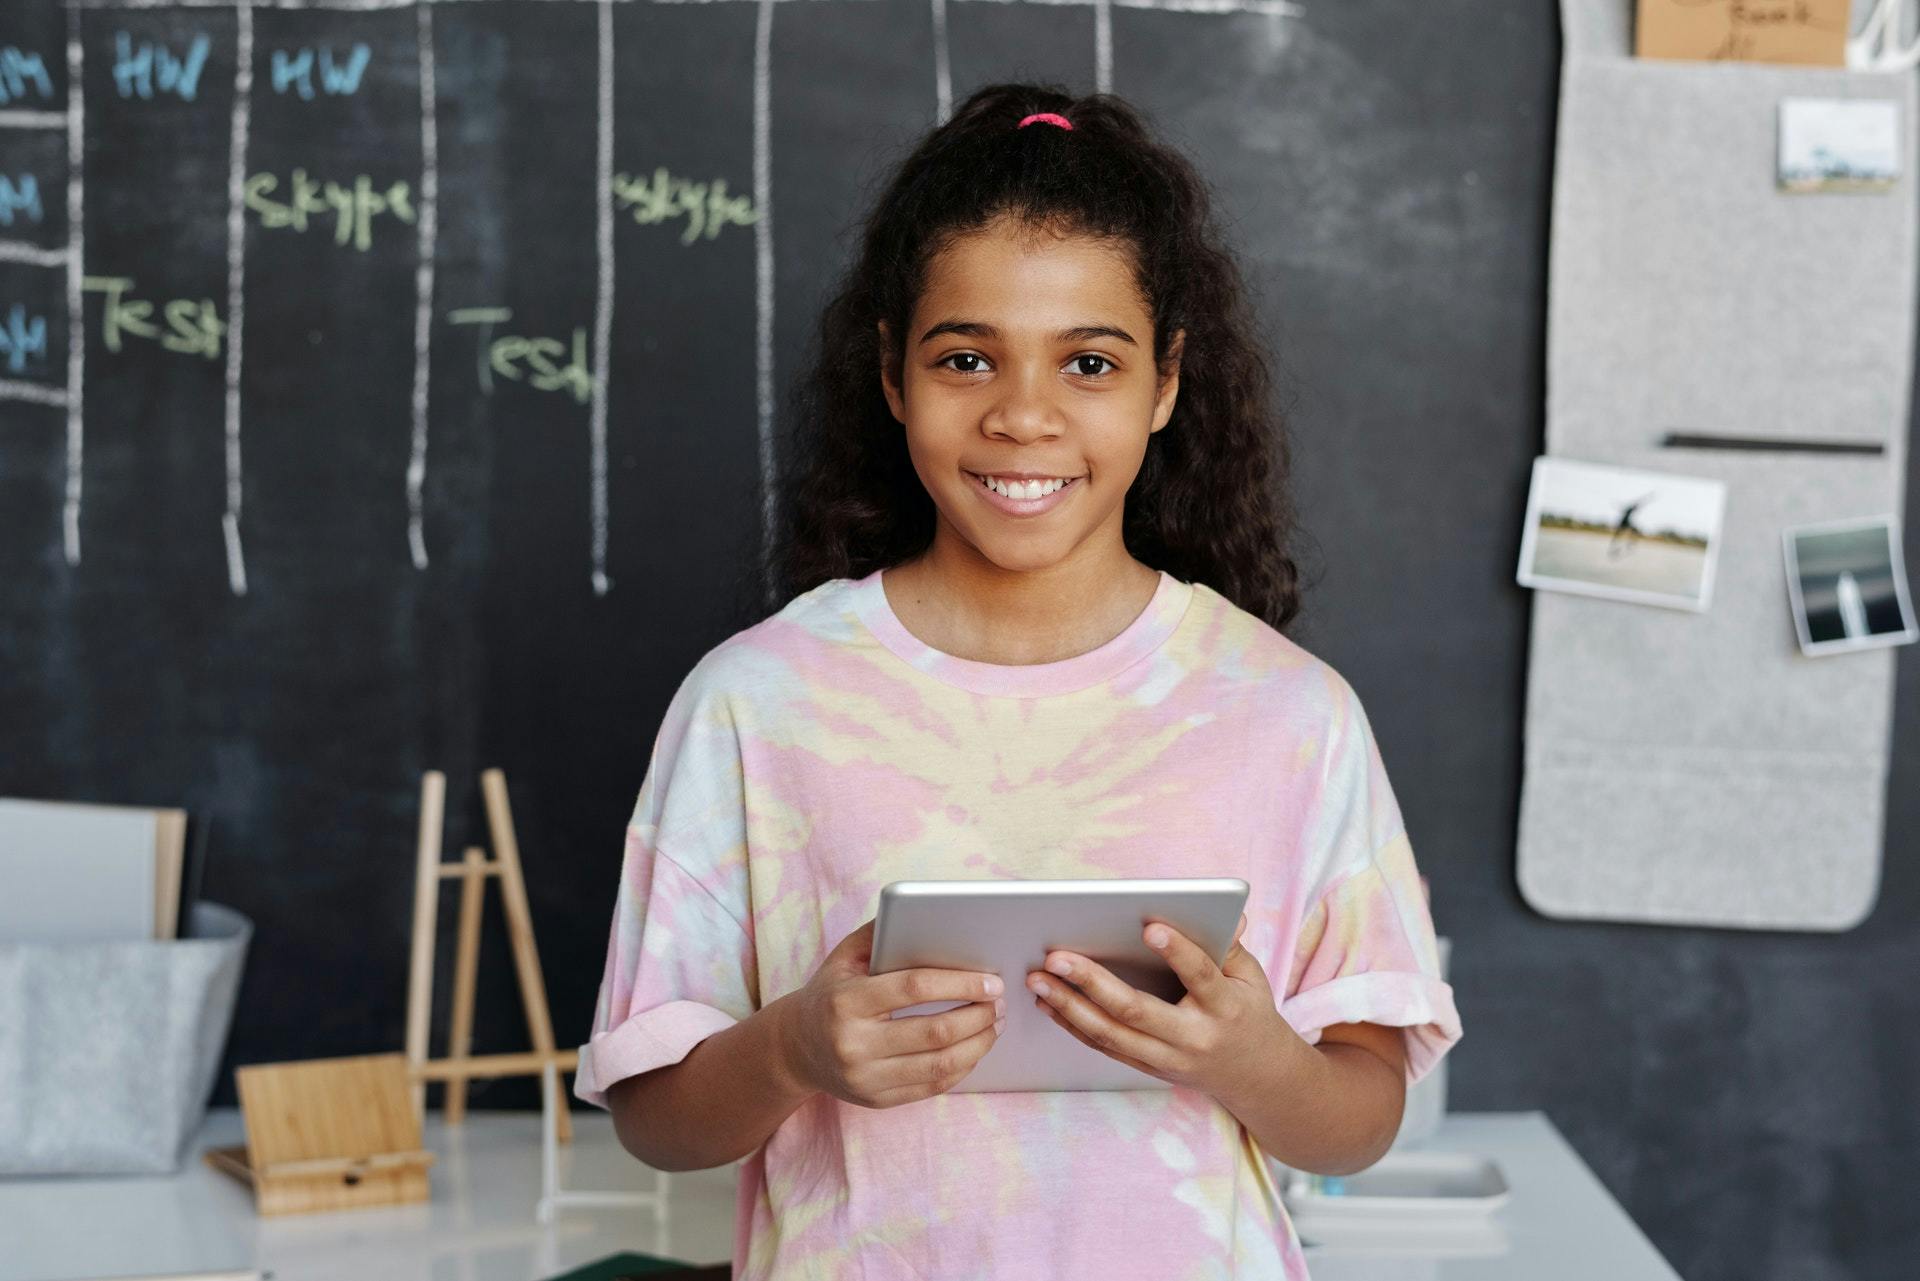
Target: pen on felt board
(1696, 440)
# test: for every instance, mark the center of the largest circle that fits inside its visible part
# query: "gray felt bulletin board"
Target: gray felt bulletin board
(1695, 768)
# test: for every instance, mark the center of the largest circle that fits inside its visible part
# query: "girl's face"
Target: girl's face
(1030, 356)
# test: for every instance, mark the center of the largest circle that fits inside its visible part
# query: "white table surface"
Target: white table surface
(480, 1224)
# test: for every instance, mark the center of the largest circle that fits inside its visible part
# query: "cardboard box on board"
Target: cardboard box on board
(1811, 32)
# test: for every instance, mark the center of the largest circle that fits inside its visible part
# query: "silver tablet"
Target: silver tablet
(1008, 927)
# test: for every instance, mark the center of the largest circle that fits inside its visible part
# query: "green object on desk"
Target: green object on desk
(615, 1266)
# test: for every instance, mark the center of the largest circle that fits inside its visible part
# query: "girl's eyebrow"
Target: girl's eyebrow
(976, 329)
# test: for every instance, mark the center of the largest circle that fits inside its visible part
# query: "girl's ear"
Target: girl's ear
(1169, 380)
(895, 402)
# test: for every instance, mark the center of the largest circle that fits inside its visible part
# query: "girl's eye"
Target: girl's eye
(1104, 366)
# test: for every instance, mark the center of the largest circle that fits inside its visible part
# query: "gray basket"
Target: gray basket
(108, 1050)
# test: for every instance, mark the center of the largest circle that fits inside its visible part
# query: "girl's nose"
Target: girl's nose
(1025, 413)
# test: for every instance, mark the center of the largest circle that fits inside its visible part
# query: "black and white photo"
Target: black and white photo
(1849, 585)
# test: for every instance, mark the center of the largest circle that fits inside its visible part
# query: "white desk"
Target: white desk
(480, 1224)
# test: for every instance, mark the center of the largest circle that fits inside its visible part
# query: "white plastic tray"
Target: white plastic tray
(1405, 1186)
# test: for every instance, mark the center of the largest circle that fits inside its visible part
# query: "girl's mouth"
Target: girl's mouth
(1024, 506)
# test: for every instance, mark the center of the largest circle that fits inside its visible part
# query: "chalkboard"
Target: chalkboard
(458, 461)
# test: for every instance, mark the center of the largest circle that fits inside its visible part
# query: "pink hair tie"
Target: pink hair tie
(1046, 117)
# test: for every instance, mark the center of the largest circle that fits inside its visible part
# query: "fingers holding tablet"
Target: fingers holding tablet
(887, 1060)
(842, 1037)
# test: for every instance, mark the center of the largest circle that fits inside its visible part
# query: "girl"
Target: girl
(1041, 577)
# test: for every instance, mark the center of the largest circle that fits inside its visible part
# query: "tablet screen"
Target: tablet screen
(1009, 927)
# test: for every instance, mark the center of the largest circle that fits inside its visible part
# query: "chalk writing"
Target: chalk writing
(20, 72)
(498, 355)
(23, 339)
(293, 71)
(193, 328)
(20, 196)
(153, 67)
(354, 208)
(661, 197)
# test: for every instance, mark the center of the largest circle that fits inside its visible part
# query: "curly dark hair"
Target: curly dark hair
(1210, 503)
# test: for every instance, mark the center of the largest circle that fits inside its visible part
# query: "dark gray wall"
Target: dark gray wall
(1386, 165)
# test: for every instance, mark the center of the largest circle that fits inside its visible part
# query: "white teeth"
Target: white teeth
(1022, 490)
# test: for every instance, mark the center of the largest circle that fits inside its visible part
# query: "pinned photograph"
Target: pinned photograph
(1849, 585)
(1642, 536)
(1839, 144)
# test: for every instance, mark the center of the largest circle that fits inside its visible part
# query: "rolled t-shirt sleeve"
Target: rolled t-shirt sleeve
(680, 951)
(1366, 951)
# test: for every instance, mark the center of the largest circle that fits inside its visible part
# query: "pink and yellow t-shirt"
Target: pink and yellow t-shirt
(825, 751)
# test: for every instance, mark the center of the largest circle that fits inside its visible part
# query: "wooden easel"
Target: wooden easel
(459, 1067)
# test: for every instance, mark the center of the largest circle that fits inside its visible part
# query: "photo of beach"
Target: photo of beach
(1639, 536)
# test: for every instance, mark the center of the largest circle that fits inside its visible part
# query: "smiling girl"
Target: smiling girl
(1035, 538)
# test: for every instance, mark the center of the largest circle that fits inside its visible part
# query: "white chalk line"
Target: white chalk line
(763, 278)
(236, 277)
(34, 393)
(942, 65)
(1102, 47)
(423, 288)
(36, 255)
(76, 302)
(33, 119)
(602, 296)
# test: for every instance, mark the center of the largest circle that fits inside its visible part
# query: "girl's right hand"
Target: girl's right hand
(840, 1041)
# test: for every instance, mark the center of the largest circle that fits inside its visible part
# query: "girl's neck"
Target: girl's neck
(960, 603)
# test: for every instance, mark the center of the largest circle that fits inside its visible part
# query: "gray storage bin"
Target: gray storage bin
(108, 1049)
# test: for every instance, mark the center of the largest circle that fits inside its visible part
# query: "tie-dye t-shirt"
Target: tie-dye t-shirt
(825, 751)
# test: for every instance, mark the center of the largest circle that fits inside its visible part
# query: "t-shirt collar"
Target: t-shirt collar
(1152, 626)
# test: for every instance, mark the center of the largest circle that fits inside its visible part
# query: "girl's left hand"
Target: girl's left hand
(1220, 1039)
